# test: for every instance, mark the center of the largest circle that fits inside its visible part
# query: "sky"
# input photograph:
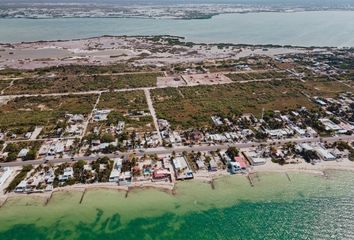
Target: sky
(148, 2)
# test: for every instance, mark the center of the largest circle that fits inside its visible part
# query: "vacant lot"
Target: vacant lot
(45, 111)
(4, 84)
(75, 83)
(195, 105)
(326, 88)
(130, 107)
(257, 75)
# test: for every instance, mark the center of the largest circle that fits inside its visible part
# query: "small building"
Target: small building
(182, 169)
(68, 174)
(161, 174)
(116, 171)
(324, 154)
(213, 166)
(23, 153)
(254, 157)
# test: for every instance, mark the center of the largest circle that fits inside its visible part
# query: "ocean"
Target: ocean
(306, 207)
(319, 28)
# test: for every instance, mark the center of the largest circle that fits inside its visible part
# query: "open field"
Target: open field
(4, 84)
(130, 107)
(194, 106)
(28, 112)
(326, 88)
(74, 83)
(257, 75)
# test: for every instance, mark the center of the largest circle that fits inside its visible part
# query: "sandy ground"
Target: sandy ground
(108, 50)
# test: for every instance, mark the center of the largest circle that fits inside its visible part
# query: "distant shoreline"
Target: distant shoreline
(203, 16)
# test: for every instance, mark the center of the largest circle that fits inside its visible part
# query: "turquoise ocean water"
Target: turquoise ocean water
(308, 207)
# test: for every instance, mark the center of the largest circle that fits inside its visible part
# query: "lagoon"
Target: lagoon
(321, 28)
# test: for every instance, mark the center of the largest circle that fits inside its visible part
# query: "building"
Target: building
(23, 153)
(213, 166)
(100, 115)
(5, 173)
(68, 174)
(182, 169)
(117, 169)
(324, 154)
(254, 157)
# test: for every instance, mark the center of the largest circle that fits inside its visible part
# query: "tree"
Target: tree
(31, 155)
(11, 157)
(107, 138)
(232, 152)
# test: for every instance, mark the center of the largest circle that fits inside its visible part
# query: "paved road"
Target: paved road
(181, 149)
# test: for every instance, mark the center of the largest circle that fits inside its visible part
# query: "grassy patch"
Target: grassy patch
(33, 111)
(76, 83)
(196, 104)
(326, 88)
(126, 106)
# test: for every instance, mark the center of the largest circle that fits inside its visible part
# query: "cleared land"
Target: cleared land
(257, 75)
(128, 107)
(326, 88)
(75, 83)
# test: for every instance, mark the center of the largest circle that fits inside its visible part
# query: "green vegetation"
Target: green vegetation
(14, 148)
(127, 107)
(345, 146)
(75, 83)
(103, 174)
(326, 88)
(257, 75)
(195, 105)
(4, 84)
(26, 112)
(19, 177)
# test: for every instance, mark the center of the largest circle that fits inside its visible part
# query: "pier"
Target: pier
(4, 202)
(127, 193)
(250, 180)
(212, 184)
(48, 199)
(287, 175)
(82, 196)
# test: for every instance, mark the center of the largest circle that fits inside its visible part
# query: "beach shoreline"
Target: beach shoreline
(204, 177)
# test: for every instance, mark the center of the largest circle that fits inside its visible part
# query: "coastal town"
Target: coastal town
(135, 112)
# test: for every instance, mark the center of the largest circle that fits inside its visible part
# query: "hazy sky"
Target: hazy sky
(125, 2)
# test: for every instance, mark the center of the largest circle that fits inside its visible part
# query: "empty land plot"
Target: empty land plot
(326, 88)
(206, 79)
(74, 83)
(257, 75)
(27, 112)
(4, 84)
(130, 107)
(195, 106)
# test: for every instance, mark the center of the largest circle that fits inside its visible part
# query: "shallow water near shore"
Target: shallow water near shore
(306, 207)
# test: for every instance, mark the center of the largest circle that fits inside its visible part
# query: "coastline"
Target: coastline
(204, 177)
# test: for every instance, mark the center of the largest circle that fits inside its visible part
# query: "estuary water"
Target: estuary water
(321, 28)
(307, 207)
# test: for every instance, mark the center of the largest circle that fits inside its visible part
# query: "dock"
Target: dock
(212, 184)
(250, 180)
(127, 193)
(48, 199)
(82, 196)
(287, 175)
(4, 202)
